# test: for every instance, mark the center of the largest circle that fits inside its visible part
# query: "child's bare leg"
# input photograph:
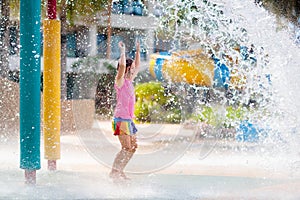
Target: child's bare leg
(129, 146)
(130, 152)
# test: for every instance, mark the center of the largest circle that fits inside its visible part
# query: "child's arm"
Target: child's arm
(137, 60)
(122, 66)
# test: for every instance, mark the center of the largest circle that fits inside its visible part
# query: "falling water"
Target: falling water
(272, 75)
(266, 97)
(218, 29)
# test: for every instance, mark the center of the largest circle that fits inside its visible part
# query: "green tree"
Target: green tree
(287, 8)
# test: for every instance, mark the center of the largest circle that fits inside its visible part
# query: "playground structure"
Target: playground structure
(30, 96)
(51, 97)
(30, 68)
(194, 67)
(52, 110)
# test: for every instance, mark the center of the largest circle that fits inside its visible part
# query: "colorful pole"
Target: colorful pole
(30, 71)
(52, 82)
(51, 9)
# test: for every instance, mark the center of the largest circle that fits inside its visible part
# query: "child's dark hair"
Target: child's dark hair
(129, 62)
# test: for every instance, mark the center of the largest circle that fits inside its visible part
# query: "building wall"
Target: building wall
(75, 114)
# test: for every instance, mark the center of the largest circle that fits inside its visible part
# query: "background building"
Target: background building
(130, 20)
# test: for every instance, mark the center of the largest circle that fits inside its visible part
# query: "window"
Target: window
(71, 45)
(128, 7)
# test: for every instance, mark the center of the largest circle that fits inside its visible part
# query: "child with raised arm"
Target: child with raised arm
(123, 125)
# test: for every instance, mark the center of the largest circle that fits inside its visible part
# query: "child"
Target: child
(123, 125)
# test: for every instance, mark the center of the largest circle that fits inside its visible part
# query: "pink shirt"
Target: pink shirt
(125, 100)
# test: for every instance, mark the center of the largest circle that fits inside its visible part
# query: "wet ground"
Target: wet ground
(170, 164)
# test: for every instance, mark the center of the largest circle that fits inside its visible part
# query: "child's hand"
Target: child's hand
(137, 46)
(122, 47)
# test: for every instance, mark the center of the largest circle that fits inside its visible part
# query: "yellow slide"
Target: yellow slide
(194, 67)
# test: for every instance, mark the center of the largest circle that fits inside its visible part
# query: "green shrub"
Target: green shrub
(154, 104)
(141, 111)
(234, 116)
(229, 119)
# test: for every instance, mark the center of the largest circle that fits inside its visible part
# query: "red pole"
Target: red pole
(51, 9)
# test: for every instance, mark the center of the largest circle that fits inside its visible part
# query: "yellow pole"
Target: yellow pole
(51, 91)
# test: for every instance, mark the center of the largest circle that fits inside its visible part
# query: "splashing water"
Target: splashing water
(244, 37)
(218, 29)
(269, 95)
(271, 71)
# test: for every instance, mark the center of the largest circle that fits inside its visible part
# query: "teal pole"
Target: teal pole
(30, 97)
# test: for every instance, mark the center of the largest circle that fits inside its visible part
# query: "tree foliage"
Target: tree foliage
(84, 7)
(287, 8)
(73, 8)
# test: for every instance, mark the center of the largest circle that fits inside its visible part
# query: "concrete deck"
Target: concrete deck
(194, 169)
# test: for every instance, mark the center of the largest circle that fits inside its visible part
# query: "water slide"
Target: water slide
(193, 67)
